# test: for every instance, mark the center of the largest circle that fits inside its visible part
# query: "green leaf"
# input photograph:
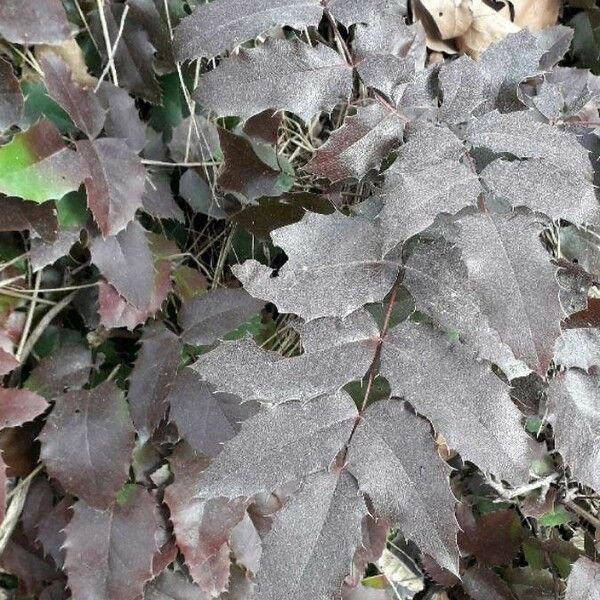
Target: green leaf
(72, 210)
(559, 516)
(39, 105)
(36, 165)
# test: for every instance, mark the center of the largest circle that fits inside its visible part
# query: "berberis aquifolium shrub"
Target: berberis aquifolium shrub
(411, 361)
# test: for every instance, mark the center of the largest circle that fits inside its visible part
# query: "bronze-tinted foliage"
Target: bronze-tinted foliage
(275, 281)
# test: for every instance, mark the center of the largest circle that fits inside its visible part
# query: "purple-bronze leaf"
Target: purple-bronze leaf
(19, 406)
(134, 54)
(116, 185)
(225, 24)
(204, 319)
(204, 418)
(87, 443)
(578, 348)
(126, 261)
(11, 98)
(202, 527)
(243, 173)
(438, 279)
(172, 585)
(324, 520)
(409, 485)
(109, 552)
(115, 311)
(281, 75)
(362, 142)
(122, 116)
(464, 89)
(520, 134)
(445, 382)
(426, 179)
(541, 185)
(158, 199)
(584, 581)
(194, 141)
(511, 273)
(336, 352)
(335, 266)
(82, 105)
(574, 411)
(17, 215)
(280, 444)
(34, 22)
(66, 369)
(349, 12)
(246, 545)
(150, 380)
(388, 52)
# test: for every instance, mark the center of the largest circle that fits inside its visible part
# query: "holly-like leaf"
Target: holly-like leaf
(388, 52)
(202, 527)
(276, 75)
(280, 444)
(409, 487)
(427, 178)
(126, 261)
(18, 215)
(326, 536)
(246, 545)
(349, 12)
(150, 380)
(578, 348)
(512, 274)
(444, 382)
(335, 265)
(134, 54)
(483, 584)
(438, 279)
(573, 400)
(115, 311)
(87, 443)
(172, 585)
(31, 22)
(116, 185)
(194, 140)
(521, 135)
(224, 25)
(122, 117)
(66, 369)
(494, 539)
(542, 186)
(583, 583)
(464, 88)
(82, 105)
(206, 318)
(36, 165)
(348, 151)
(204, 418)
(243, 173)
(158, 199)
(11, 97)
(109, 552)
(19, 406)
(336, 352)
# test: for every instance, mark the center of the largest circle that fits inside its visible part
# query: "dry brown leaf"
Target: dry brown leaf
(71, 53)
(488, 26)
(536, 14)
(444, 19)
